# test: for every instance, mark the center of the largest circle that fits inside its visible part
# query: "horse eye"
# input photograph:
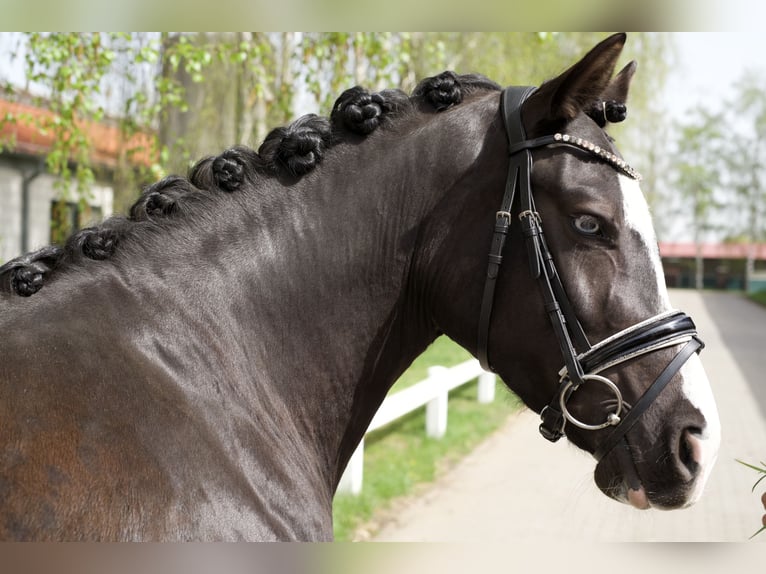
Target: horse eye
(587, 224)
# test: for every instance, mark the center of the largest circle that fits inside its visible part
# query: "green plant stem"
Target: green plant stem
(761, 470)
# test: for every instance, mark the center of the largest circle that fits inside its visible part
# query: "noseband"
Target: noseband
(661, 331)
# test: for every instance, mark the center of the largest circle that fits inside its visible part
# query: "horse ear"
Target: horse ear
(561, 99)
(618, 88)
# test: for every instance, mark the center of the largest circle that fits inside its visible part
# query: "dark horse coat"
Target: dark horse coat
(203, 369)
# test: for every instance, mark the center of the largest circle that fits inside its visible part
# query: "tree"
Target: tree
(698, 169)
(745, 160)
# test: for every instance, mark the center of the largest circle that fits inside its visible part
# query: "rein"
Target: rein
(661, 331)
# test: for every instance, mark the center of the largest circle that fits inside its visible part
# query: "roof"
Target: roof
(713, 250)
(107, 140)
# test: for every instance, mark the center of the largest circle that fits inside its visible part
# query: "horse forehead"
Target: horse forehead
(636, 209)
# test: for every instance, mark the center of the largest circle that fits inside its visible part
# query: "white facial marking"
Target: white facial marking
(638, 218)
(695, 386)
(697, 389)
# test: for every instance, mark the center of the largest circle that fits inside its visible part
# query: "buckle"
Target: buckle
(529, 213)
(552, 427)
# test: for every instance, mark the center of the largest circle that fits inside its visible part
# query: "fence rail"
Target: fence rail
(432, 392)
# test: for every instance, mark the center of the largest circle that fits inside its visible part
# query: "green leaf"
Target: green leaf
(757, 481)
(751, 466)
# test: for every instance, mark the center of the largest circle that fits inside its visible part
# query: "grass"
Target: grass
(758, 297)
(442, 352)
(400, 457)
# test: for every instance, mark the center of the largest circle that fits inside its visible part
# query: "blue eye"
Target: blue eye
(587, 224)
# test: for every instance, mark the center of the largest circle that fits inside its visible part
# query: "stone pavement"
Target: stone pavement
(516, 486)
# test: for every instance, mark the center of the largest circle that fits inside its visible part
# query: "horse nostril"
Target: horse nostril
(690, 450)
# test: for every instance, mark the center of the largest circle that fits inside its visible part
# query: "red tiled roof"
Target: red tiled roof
(713, 250)
(107, 140)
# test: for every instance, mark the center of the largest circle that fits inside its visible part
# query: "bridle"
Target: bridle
(658, 332)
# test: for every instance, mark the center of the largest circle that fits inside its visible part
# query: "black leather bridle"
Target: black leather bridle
(582, 361)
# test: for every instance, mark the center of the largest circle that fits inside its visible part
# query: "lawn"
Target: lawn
(759, 297)
(399, 457)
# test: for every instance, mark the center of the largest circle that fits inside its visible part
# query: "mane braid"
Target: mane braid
(162, 199)
(362, 112)
(25, 275)
(296, 149)
(290, 151)
(448, 89)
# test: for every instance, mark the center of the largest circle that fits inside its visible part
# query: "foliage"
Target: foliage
(745, 158)
(762, 471)
(698, 167)
(720, 165)
(71, 67)
(332, 62)
(758, 297)
(697, 175)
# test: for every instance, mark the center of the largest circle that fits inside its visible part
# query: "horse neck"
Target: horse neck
(338, 308)
(327, 308)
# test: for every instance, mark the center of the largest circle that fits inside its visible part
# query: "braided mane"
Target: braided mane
(287, 152)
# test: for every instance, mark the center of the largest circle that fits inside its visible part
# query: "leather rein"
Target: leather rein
(582, 361)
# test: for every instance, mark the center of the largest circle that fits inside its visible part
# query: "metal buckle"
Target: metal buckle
(506, 214)
(612, 419)
(548, 426)
(529, 213)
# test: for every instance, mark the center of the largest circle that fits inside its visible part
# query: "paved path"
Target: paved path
(517, 486)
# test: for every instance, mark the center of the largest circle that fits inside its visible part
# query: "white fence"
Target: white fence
(433, 392)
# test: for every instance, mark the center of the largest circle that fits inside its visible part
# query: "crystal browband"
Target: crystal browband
(610, 158)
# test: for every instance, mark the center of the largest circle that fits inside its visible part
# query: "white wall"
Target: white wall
(42, 192)
(10, 213)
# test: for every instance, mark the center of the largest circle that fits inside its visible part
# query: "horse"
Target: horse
(204, 368)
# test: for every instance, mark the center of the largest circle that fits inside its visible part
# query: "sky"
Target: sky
(709, 63)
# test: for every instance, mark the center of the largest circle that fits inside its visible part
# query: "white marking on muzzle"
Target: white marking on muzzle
(698, 392)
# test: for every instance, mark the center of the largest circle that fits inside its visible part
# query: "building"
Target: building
(30, 200)
(736, 266)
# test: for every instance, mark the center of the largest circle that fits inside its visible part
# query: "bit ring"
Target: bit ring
(612, 419)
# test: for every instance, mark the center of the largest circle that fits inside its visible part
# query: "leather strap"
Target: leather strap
(629, 420)
(539, 257)
(510, 103)
(651, 334)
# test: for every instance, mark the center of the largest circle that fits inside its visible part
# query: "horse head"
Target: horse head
(314, 271)
(581, 265)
